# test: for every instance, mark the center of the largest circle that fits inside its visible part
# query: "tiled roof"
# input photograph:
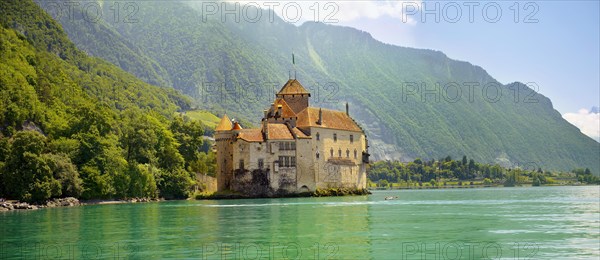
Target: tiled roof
(279, 132)
(236, 126)
(286, 110)
(299, 133)
(224, 125)
(331, 119)
(292, 87)
(251, 135)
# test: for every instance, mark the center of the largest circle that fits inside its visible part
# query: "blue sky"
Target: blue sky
(554, 44)
(559, 52)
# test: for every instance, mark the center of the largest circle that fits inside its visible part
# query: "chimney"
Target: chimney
(347, 110)
(266, 128)
(320, 117)
(279, 107)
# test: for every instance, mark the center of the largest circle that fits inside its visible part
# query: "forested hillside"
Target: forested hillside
(234, 67)
(72, 125)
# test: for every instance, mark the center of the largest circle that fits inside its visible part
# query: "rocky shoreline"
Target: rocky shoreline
(9, 205)
(18, 205)
(329, 192)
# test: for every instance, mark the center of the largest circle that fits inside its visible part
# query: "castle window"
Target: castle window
(339, 152)
(261, 164)
(347, 153)
(287, 161)
(317, 155)
(318, 137)
(287, 146)
(351, 138)
(355, 154)
(331, 152)
(334, 137)
(282, 161)
(242, 164)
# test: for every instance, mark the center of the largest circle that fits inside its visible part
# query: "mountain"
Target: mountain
(235, 67)
(75, 125)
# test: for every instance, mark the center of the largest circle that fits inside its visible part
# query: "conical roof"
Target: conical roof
(236, 126)
(225, 124)
(292, 87)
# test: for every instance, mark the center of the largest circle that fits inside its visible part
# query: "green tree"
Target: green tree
(432, 182)
(143, 183)
(66, 173)
(189, 134)
(175, 184)
(26, 174)
(384, 183)
(487, 181)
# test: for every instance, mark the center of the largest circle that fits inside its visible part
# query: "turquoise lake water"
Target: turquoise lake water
(488, 223)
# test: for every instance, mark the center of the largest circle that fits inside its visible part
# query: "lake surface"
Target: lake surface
(497, 223)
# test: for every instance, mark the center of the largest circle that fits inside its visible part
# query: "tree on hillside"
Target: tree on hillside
(26, 174)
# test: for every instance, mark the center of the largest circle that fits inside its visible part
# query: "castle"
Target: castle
(297, 149)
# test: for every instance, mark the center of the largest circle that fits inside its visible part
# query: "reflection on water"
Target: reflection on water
(538, 222)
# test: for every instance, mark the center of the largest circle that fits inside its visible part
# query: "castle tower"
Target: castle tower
(295, 95)
(224, 143)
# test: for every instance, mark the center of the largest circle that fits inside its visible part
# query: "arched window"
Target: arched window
(355, 154)
(339, 152)
(331, 152)
(317, 155)
(347, 153)
(334, 137)
(318, 137)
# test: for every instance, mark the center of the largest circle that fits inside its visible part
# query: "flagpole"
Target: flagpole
(294, 64)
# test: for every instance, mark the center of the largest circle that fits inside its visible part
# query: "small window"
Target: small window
(347, 153)
(351, 138)
(331, 152)
(281, 161)
(334, 137)
(292, 161)
(318, 137)
(355, 154)
(339, 152)
(293, 145)
(242, 164)
(261, 164)
(281, 146)
(287, 161)
(317, 155)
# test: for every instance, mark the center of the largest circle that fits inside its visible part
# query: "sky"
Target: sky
(554, 44)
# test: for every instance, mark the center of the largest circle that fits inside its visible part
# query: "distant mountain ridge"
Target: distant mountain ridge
(234, 68)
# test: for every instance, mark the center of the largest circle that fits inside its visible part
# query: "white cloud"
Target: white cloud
(353, 10)
(335, 11)
(588, 122)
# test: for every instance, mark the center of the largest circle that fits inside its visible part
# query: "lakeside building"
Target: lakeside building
(297, 149)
